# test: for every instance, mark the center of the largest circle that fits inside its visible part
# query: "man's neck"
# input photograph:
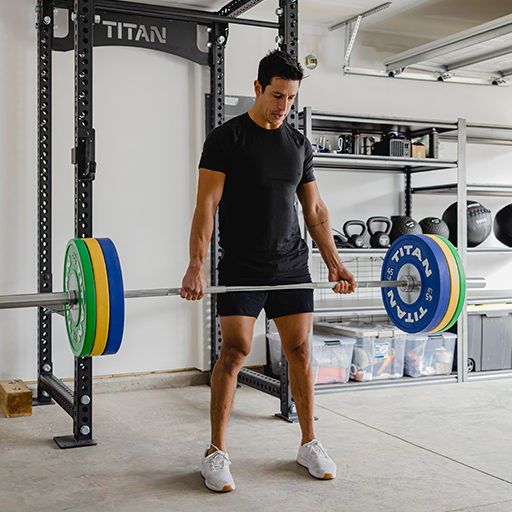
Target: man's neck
(260, 121)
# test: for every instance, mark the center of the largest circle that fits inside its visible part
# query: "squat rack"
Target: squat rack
(119, 23)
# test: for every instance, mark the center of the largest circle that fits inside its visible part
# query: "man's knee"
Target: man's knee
(233, 355)
(297, 352)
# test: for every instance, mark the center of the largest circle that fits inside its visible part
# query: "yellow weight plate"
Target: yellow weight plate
(102, 296)
(455, 284)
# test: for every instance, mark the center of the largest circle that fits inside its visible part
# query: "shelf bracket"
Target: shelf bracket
(351, 35)
(353, 25)
(362, 15)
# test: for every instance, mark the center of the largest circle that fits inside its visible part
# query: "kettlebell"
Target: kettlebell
(357, 240)
(379, 239)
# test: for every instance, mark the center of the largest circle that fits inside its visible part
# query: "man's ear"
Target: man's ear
(257, 88)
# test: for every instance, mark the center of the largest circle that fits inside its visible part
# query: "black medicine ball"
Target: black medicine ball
(435, 226)
(479, 223)
(503, 225)
(403, 225)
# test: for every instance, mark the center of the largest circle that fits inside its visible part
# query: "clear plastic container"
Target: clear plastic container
(378, 352)
(274, 345)
(429, 354)
(415, 354)
(331, 357)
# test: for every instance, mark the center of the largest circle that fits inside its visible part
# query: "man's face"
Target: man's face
(275, 102)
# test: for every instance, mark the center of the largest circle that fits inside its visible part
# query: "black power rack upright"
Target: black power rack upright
(118, 23)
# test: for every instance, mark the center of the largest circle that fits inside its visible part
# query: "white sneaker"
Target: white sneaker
(215, 470)
(313, 456)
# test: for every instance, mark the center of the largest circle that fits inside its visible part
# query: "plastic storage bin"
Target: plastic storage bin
(274, 346)
(489, 337)
(331, 357)
(429, 354)
(378, 352)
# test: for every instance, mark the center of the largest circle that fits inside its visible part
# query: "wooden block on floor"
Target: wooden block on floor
(15, 398)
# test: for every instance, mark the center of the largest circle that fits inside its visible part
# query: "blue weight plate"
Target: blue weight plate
(116, 291)
(422, 256)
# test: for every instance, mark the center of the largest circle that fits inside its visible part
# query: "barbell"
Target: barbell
(423, 288)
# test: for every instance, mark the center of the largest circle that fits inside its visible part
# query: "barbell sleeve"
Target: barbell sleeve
(476, 282)
(36, 299)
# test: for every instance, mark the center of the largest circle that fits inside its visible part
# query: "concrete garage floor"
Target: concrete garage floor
(431, 448)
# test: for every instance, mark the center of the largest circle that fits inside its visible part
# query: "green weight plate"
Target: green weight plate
(455, 285)
(81, 317)
(462, 275)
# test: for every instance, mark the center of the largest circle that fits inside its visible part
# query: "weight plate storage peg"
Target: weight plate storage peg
(80, 316)
(454, 284)
(416, 255)
(116, 293)
(102, 296)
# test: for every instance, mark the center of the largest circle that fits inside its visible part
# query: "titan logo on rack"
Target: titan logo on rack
(135, 32)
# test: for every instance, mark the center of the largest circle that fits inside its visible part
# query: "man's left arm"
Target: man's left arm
(318, 224)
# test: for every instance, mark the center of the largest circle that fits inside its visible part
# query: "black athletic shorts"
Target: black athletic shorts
(276, 303)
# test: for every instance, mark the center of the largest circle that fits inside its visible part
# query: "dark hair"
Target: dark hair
(280, 64)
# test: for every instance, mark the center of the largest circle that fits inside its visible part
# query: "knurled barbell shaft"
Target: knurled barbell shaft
(65, 298)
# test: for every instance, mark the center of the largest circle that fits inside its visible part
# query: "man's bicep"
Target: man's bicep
(210, 187)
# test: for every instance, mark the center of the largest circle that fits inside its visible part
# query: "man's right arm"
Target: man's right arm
(209, 193)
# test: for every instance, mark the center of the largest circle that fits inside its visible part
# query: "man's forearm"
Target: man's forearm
(200, 237)
(319, 227)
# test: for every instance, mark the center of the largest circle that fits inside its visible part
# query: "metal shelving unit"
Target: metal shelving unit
(365, 252)
(371, 163)
(333, 307)
(461, 133)
(472, 189)
(334, 123)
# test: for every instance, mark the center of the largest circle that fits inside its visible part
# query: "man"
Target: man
(252, 167)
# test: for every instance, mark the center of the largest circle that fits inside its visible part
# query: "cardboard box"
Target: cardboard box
(15, 398)
(418, 150)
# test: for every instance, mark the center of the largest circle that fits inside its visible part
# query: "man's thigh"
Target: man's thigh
(294, 330)
(237, 333)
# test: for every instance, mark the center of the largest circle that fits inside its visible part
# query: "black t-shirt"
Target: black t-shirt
(259, 229)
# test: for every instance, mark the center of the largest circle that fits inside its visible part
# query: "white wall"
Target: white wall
(149, 120)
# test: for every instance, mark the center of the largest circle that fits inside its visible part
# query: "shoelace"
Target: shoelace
(317, 448)
(219, 460)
